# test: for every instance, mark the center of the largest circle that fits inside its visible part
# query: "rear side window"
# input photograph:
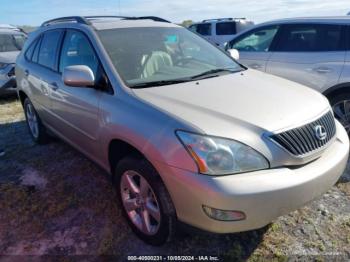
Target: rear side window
(204, 29)
(226, 28)
(36, 51)
(311, 38)
(48, 48)
(30, 51)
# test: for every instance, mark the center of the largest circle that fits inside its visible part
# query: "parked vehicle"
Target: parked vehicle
(221, 30)
(188, 134)
(11, 43)
(311, 51)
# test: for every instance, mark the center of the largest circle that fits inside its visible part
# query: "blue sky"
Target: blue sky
(33, 12)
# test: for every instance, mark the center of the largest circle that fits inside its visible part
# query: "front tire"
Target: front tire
(341, 107)
(36, 129)
(146, 203)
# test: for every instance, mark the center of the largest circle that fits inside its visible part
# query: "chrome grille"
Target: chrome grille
(304, 140)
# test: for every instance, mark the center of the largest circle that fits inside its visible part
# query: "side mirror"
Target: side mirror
(78, 76)
(234, 53)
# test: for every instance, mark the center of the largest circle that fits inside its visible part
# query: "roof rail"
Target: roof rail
(154, 18)
(223, 19)
(77, 19)
(86, 19)
(92, 17)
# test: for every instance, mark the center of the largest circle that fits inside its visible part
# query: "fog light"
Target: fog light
(223, 215)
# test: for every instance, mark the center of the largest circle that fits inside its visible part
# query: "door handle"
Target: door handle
(255, 66)
(26, 72)
(322, 70)
(54, 86)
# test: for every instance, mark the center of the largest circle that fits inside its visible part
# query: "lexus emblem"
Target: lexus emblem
(320, 132)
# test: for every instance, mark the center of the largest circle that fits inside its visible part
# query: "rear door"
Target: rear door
(311, 54)
(76, 108)
(254, 46)
(42, 72)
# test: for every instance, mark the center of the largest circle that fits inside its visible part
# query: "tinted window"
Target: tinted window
(30, 50)
(204, 29)
(309, 38)
(36, 51)
(256, 41)
(48, 48)
(76, 50)
(226, 28)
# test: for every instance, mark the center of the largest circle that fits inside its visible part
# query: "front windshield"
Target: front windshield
(162, 54)
(11, 42)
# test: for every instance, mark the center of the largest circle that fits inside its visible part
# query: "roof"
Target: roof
(320, 19)
(111, 22)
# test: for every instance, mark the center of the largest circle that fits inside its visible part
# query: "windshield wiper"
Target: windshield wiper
(212, 72)
(160, 83)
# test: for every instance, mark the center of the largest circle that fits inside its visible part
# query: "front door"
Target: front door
(77, 108)
(254, 46)
(310, 54)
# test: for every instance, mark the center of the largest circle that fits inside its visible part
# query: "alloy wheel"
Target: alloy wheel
(32, 120)
(342, 113)
(140, 202)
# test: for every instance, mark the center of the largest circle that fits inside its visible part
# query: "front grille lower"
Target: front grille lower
(303, 140)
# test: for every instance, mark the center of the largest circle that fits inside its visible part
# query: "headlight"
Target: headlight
(219, 156)
(3, 65)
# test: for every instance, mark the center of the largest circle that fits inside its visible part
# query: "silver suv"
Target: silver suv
(311, 51)
(187, 133)
(219, 31)
(11, 43)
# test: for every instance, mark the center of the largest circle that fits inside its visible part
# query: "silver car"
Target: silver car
(187, 133)
(11, 43)
(311, 51)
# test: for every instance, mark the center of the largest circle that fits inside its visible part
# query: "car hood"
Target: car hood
(9, 57)
(250, 99)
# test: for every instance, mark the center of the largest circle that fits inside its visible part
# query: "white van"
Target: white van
(221, 30)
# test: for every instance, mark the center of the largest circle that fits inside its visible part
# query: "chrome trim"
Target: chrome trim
(299, 143)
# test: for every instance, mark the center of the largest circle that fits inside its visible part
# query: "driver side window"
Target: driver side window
(76, 50)
(256, 41)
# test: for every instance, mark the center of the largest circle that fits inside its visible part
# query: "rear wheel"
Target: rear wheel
(36, 129)
(146, 203)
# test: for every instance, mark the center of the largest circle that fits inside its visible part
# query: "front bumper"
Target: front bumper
(7, 81)
(262, 195)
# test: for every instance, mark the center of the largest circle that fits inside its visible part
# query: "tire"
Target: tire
(157, 201)
(36, 129)
(341, 106)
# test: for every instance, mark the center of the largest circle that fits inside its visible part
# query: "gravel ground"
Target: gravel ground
(55, 202)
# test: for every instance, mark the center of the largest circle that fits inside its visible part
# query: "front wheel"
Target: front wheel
(146, 203)
(341, 108)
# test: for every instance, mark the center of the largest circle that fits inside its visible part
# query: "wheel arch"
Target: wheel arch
(119, 149)
(337, 89)
(22, 96)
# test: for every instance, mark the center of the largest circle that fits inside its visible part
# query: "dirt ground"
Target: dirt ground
(56, 202)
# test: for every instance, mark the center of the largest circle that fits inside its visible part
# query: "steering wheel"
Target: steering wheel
(183, 61)
(249, 48)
